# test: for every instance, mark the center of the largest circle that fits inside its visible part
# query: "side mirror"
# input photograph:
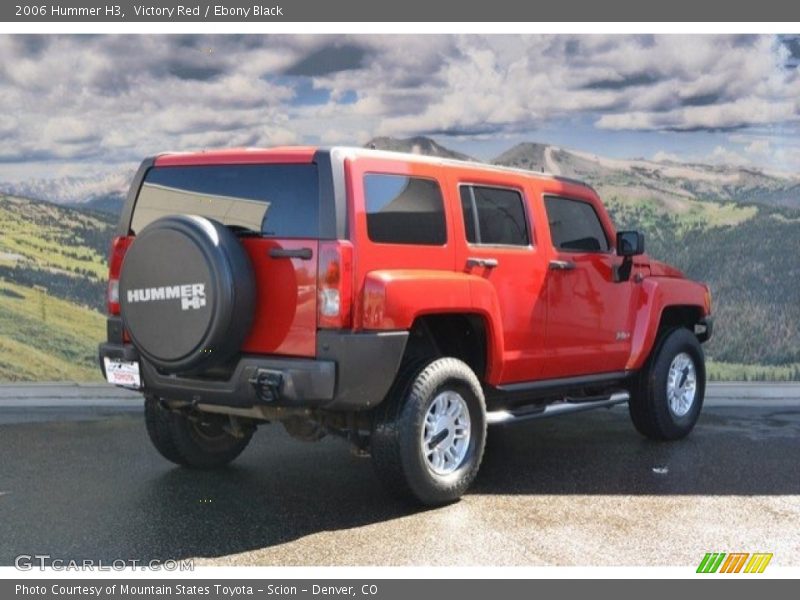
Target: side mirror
(630, 243)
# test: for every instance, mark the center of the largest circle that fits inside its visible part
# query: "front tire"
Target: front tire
(429, 435)
(200, 440)
(668, 394)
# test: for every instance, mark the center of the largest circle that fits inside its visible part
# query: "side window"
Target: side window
(494, 216)
(404, 210)
(575, 226)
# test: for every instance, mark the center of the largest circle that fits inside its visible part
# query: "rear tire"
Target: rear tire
(199, 441)
(429, 435)
(668, 394)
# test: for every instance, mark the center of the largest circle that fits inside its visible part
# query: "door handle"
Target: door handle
(561, 265)
(488, 263)
(301, 253)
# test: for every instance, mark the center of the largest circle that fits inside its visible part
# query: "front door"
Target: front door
(589, 317)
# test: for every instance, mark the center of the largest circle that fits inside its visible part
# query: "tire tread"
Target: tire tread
(647, 405)
(406, 405)
(169, 432)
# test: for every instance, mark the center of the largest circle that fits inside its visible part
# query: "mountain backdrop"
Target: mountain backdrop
(736, 228)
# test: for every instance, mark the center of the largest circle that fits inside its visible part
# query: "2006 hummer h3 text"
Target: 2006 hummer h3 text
(402, 302)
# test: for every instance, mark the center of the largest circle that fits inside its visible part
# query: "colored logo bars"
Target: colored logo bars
(736, 562)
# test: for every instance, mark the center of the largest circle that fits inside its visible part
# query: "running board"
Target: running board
(526, 413)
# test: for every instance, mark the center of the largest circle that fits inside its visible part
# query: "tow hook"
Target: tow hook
(267, 384)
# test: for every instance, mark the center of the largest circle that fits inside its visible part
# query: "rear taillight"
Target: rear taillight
(335, 284)
(118, 248)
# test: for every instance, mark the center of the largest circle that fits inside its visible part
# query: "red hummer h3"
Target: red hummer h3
(402, 302)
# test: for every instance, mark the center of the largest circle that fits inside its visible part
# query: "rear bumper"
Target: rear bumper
(352, 371)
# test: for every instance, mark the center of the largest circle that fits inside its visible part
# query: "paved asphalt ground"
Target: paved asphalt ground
(79, 479)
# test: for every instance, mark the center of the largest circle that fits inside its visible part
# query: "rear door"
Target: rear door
(498, 243)
(589, 316)
(275, 209)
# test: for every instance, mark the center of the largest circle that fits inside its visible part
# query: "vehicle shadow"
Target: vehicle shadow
(98, 490)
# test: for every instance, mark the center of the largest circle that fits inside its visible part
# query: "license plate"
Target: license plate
(122, 372)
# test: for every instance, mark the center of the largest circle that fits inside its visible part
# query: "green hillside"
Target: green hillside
(753, 270)
(736, 229)
(44, 338)
(52, 271)
(747, 253)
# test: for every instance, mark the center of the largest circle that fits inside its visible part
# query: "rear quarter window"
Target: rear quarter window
(275, 200)
(404, 210)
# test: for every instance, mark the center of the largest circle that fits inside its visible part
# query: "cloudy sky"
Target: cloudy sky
(77, 104)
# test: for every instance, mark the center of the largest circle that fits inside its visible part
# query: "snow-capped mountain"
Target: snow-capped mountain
(100, 191)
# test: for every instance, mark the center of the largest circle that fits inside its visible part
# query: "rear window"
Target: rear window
(404, 210)
(276, 200)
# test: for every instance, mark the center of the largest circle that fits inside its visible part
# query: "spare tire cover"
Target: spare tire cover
(187, 293)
